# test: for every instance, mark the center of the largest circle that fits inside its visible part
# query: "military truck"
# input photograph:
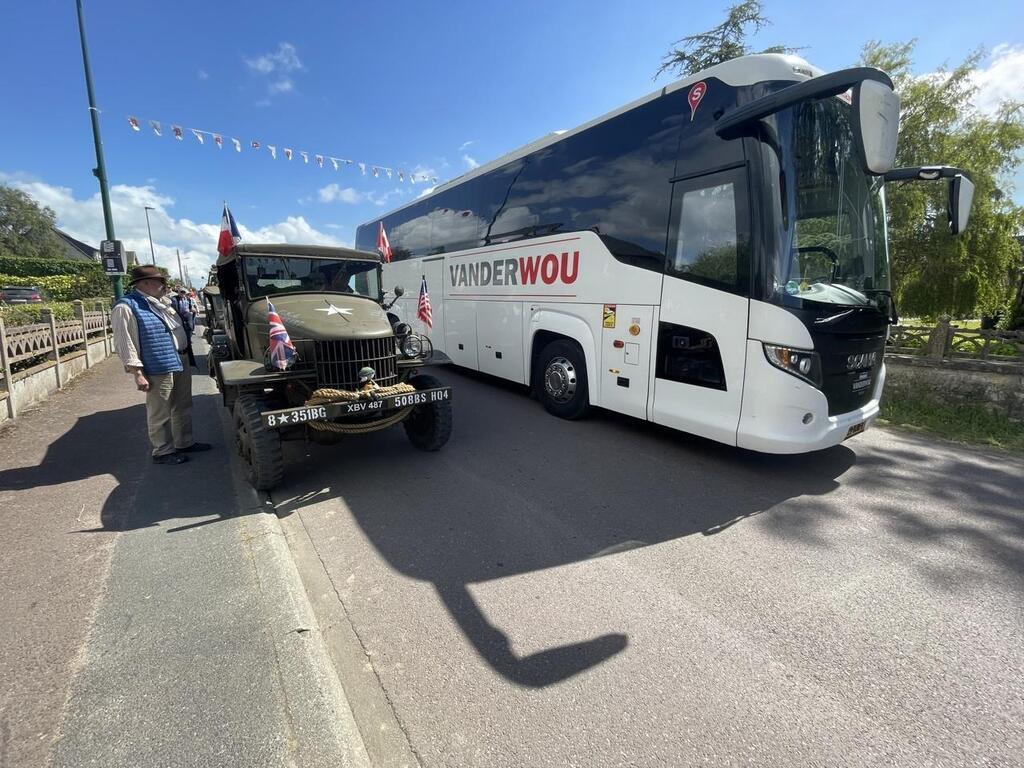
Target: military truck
(356, 369)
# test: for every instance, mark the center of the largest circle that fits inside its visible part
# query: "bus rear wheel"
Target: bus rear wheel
(562, 380)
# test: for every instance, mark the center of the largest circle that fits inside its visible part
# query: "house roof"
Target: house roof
(76, 249)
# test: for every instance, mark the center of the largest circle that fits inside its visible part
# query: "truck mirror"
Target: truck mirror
(399, 291)
(961, 197)
(876, 121)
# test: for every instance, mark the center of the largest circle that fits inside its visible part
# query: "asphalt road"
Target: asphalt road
(607, 592)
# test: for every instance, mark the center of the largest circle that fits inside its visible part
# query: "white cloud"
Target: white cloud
(197, 241)
(334, 192)
(284, 85)
(466, 144)
(470, 162)
(204, 75)
(425, 192)
(1001, 79)
(285, 59)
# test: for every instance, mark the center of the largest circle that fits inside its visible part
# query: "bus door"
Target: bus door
(702, 321)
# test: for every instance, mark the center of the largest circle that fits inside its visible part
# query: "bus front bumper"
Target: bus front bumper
(782, 414)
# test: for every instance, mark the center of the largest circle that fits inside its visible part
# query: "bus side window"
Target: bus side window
(709, 232)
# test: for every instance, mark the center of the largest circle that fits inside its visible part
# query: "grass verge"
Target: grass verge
(962, 423)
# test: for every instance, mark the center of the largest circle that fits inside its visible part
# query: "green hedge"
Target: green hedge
(21, 267)
(28, 314)
(63, 287)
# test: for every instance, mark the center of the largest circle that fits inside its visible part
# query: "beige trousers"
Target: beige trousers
(169, 409)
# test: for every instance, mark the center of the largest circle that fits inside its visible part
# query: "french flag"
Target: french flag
(229, 236)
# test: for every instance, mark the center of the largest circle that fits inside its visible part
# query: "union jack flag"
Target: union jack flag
(383, 246)
(423, 311)
(281, 350)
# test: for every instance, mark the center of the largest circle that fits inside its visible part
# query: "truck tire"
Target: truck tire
(561, 381)
(260, 448)
(429, 426)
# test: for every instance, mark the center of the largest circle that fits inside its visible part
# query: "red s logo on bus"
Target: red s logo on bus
(697, 91)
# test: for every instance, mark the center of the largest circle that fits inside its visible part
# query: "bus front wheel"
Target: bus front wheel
(562, 380)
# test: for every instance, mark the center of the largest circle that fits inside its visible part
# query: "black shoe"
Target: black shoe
(196, 448)
(170, 458)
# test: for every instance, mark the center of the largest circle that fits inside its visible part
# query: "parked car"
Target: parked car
(21, 294)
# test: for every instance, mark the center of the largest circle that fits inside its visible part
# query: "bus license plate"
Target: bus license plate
(856, 429)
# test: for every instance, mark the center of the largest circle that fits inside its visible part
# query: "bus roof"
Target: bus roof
(745, 70)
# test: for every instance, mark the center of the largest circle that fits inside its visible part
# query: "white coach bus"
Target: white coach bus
(711, 257)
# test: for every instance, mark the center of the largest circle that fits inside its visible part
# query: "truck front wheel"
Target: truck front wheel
(259, 447)
(429, 426)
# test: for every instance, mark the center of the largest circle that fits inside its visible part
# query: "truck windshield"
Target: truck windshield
(274, 275)
(829, 215)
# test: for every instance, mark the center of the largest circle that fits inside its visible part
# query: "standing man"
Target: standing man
(183, 306)
(151, 340)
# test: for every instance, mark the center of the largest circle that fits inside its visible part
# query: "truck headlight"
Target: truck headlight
(802, 363)
(412, 345)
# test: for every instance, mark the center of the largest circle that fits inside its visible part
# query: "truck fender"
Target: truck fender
(572, 327)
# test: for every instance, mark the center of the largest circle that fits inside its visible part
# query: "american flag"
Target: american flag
(423, 311)
(383, 246)
(282, 351)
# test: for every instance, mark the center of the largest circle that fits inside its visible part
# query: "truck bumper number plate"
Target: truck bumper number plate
(292, 416)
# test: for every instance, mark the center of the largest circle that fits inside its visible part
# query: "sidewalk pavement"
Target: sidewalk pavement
(185, 638)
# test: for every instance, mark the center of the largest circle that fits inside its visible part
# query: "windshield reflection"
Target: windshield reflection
(829, 215)
(274, 275)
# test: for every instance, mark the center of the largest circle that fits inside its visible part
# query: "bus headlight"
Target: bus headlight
(412, 345)
(802, 363)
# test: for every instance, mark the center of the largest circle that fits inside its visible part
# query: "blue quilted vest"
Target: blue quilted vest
(156, 342)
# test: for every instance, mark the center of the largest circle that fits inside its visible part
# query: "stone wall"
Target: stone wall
(997, 386)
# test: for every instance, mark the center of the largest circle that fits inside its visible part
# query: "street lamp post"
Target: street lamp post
(152, 253)
(100, 171)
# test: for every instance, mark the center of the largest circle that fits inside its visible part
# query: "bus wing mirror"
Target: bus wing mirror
(961, 190)
(961, 198)
(876, 124)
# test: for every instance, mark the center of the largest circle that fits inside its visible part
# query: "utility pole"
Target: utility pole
(188, 279)
(100, 171)
(181, 274)
(152, 253)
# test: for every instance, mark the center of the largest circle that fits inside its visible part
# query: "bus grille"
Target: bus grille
(338, 362)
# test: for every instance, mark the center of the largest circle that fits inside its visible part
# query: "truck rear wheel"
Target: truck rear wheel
(260, 448)
(562, 380)
(429, 426)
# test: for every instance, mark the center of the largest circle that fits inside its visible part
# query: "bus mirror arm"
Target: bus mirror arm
(961, 190)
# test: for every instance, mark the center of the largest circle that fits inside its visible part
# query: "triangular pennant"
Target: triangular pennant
(155, 125)
(255, 144)
(238, 145)
(176, 130)
(362, 168)
(334, 162)
(133, 122)
(198, 135)
(273, 151)
(305, 156)
(218, 140)
(320, 160)
(287, 153)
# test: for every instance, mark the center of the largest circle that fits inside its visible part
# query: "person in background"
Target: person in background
(183, 306)
(150, 339)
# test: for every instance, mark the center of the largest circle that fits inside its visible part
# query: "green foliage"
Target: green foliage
(962, 422)
(934, 272)
(22, 267)
(63, 287)
(29, 314)
(726, 41)
(26, 228)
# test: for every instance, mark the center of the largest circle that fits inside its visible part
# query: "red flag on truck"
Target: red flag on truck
(383, 246)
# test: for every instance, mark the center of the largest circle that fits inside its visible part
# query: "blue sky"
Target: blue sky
(432, 87)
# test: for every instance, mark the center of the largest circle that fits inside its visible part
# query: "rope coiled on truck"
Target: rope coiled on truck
(326, 396)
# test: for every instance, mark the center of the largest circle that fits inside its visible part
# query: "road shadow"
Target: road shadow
(115, 443)
(516, 491)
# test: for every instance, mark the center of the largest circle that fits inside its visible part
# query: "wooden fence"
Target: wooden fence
(29, 350)
(946, 341)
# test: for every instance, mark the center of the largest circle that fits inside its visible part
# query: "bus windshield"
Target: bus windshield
(829, 215)
(273, 275)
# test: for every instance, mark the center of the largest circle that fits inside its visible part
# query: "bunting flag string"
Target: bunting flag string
(336, 162)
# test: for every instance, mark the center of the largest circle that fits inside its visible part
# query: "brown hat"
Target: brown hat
(146, 272)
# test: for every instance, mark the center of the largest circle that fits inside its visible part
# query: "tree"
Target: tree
(934, 272)
(26, 228)
(726, 41)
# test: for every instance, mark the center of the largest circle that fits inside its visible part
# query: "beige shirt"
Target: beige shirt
(126, 331)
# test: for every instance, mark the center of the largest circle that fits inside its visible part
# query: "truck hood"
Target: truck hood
(322, 316)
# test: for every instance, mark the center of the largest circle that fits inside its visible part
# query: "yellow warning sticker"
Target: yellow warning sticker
(609, 315)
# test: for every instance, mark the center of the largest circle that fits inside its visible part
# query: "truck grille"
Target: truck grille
(338, 362)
